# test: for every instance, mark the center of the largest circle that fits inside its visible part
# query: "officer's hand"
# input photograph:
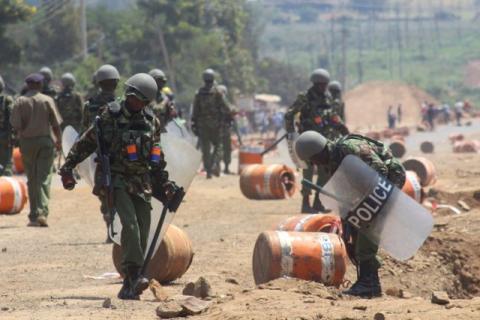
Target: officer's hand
(68, 180)
(169, 189)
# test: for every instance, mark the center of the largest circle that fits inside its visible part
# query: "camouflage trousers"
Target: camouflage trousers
(5, 157)
(211, 140)
(227, 147)
(322, 177)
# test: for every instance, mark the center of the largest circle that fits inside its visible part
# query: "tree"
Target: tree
(11, 12)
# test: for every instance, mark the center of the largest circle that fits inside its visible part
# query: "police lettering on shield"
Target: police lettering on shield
(372, 204)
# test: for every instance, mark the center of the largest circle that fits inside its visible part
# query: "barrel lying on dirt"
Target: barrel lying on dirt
(424, 168)
(170, 262)
(427, 147)
(314, 256)
(17, 162)
(398, 148)
(413, 188)
(454, 137)
(262, 182)
(328, 223)
(466, 146)
(248, 156)
(13, 195)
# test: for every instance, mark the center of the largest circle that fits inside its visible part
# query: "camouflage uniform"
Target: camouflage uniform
(163, 107)
(131, 179)
(70, 105)
(338, 105)
(210, 109)
(93, 107)
(6, 132)
(49, 91)
(378, 157)
(317, 114)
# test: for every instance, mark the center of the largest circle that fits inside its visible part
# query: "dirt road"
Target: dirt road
(44, 271)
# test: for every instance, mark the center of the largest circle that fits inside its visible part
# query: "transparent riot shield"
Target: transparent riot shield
(286, 150)
(377, 208)
(183, 162)
(86, 169)
(179, 129)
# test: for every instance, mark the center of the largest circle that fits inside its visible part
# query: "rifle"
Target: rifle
(104, 161)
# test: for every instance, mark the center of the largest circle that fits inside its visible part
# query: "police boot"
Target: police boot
(368, 283)
(216, 169)
(226, 170)
(306, 208)
(318, 205)
(139, 282)
(126, 292)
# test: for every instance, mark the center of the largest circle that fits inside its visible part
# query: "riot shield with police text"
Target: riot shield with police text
(183, 162)
(377, 208)
(86, 169)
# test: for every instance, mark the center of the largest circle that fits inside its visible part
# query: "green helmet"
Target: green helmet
(335, 86)
(320, 76)
(223, 89)
(2, 84)
(47, 73)
(309, 144)
(208, 75)
(158, 74)
(107, 72)
(68, 80)
(142, 85)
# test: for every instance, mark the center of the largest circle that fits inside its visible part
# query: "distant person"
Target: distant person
(277, 122)
(431, 116)
(163, 106)
(47, 88)
(423, 111)
(37, 123)
(335, 89)
(391, 118)
(399, 113)
(70, 103)
(446, 113)
(6, 132)
(459, 112)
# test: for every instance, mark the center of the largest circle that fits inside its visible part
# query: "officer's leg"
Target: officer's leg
(132, 253)
(322, 178)
(44, 166)
(307, 175)
(216, 137)
(5, 157)
(368, 283)
(227, 150)
(205, 146)
(29, 151)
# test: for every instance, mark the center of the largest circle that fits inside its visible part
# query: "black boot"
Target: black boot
(226, 170)
(216, 169)
(368, 283)
(125, 292)
(306, 208)
(139, 282)
(318, 205)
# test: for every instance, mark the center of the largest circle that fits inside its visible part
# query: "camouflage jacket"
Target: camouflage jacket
(339, 106)
(50, 91)
(210, 109)
(163, 108)
(317, 114)
(6, 107)
(70, 105)
(133, 143)
(373, 153)
(93, 107)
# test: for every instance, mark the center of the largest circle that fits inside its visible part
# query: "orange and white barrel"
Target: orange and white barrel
(424, 168)
(13, 195)
(248, 157)
(328, 223)
(172, 259)
(262, 182)
(412, 187)
(314, 256)
(17, 161)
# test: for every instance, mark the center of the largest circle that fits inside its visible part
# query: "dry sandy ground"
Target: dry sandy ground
(42, 269)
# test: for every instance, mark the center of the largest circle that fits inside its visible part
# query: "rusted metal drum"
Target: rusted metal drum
(314, 256)
(17, 162)
(328, 223)
(13, 195)
(466, 146)
(170, 262)
(454, 137)
(424, 168)
(413, 188)
(248, 156)
(398, 148)
(267, 182)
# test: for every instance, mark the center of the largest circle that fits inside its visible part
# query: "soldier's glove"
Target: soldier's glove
(169, 194)
(68, 180)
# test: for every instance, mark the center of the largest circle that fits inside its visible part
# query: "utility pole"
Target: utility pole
(83, 28)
